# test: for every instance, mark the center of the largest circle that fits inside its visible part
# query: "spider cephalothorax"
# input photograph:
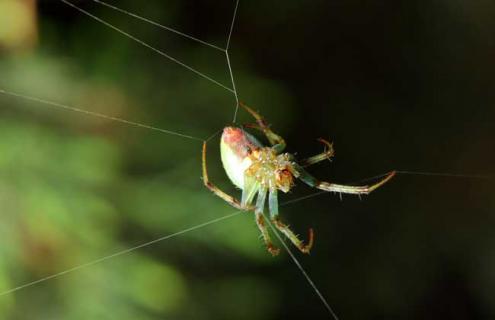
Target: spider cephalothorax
(260, 170)
(244, 158)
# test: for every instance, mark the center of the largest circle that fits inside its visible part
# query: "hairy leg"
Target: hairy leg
(333, 187)
(273, 204)
(277, 142)
(326, 154)
(217, 191)
(260, 221)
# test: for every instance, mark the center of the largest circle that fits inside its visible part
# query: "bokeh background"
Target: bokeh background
(404, 85)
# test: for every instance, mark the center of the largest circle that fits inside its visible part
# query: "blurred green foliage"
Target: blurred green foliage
(75, 188)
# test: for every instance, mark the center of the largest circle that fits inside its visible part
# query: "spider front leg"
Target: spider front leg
(217, 191)
(273, 205)
(333, 187)
(326, 154)
(277, 142)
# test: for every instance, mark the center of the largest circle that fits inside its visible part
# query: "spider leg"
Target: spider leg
(260, 221)
(333, 187)
(277, 142)
(217, 191)
(273, 205)
(252, 126)
(326, 154)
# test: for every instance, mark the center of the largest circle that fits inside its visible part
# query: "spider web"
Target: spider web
(150, 127)
(232, 89)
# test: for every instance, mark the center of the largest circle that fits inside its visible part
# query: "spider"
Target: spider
(262, 170)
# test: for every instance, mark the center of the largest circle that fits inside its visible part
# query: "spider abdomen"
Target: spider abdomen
(235, 148)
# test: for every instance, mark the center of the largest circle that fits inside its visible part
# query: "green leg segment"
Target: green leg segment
(273, 204)
(260, 221)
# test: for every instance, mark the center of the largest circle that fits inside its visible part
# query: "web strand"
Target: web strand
(446, 174)
(421, 173)
(291, 254)
(227, 56)
(147, 45)
(158, 25)
(98, 115)
(213, 135)
(129, 250)
(231, 29)
(120, 253)
(199, 226)
(302, 270)
(233, 85)
(170, 132)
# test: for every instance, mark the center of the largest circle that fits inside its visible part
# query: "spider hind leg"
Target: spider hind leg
(304, 248)
(217, 191)
(282, 227)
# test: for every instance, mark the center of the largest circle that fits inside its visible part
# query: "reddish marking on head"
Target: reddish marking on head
(237, 141)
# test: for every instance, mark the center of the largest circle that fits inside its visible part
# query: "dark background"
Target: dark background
(405, 85)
